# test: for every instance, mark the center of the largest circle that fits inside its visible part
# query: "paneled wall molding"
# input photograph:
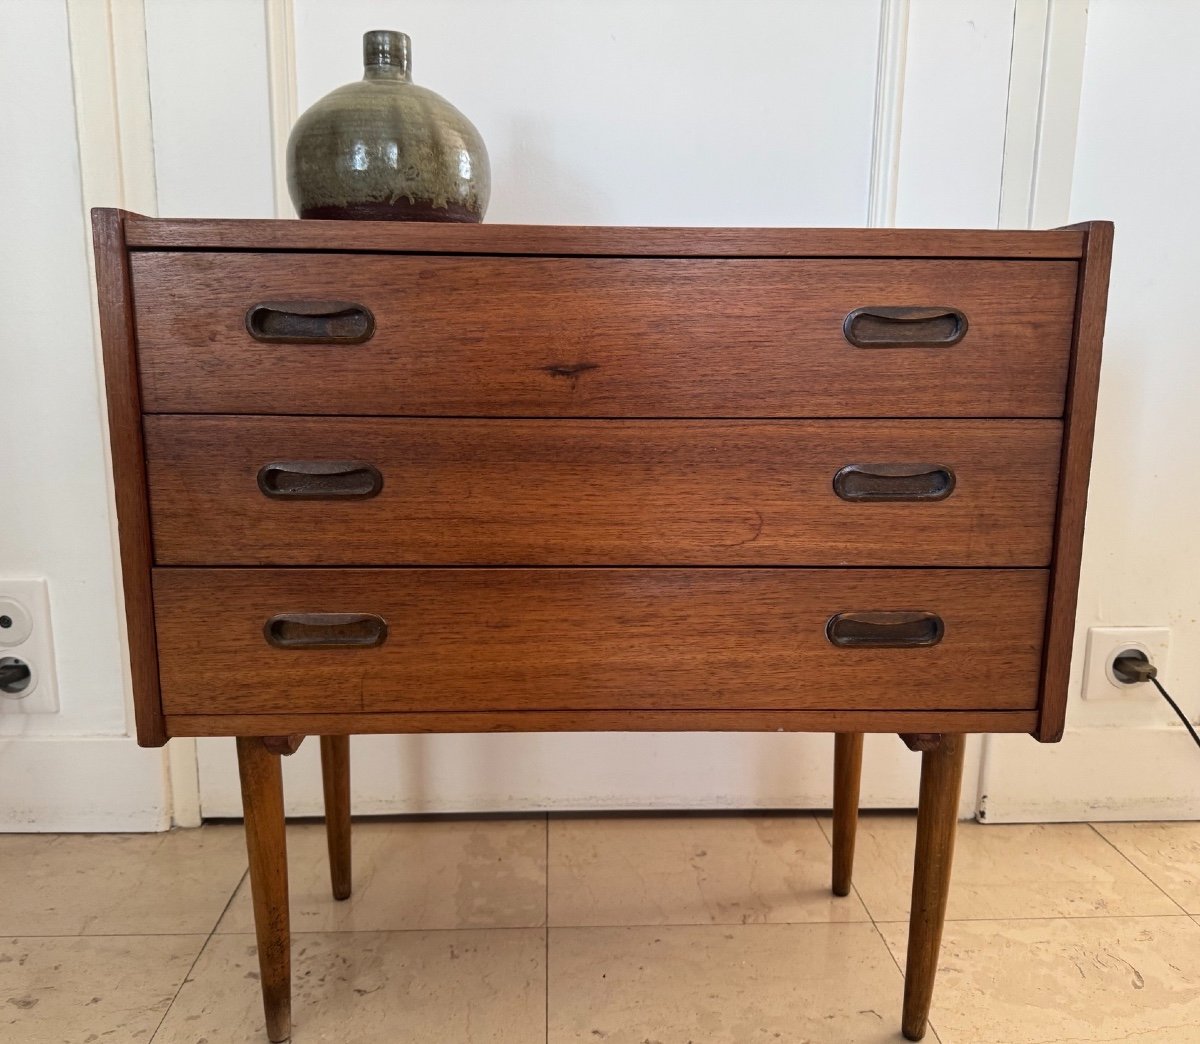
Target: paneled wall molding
(281, 87)
(112, 104)
(889, 110)
(1044, 90)
(1045, 87)
(114, 131)
(116, 158)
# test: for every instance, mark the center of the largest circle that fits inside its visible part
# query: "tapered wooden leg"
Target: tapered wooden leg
(262, 803)
(335, 775)
(937, 820)
(847, 774)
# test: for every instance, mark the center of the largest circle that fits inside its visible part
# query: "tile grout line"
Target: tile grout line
(1056, 917)
(546, 934)
(883, 941)
(874, 923)
(1101, 835)
(648, 924)
(199, 953)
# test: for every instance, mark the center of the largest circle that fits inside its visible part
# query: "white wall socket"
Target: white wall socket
(1104, 644)
(25, 635)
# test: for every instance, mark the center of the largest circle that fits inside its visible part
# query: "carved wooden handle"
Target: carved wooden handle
(907, 327)
(310, 322)
(319, 480)
(883, 629)
(885, 482)
(325, 630)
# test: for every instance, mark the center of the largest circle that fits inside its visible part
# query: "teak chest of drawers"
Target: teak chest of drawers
(378, 477)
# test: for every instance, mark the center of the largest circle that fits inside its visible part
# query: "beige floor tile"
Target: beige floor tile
(1167, 853)
(485, 873)
(373, 988)
(101, 988)
(1069, 981)
(692, 870)
(718, 984)
(1058, 870)
(118, 884)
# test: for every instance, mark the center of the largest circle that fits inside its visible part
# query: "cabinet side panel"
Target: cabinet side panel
(1078, 430)
(129, 467)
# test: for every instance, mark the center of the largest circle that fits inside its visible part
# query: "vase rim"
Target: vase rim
(387, 53)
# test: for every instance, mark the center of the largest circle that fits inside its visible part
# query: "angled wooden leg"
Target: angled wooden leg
(262, 803)
(847, 775)
(335, 775)
(937, 820)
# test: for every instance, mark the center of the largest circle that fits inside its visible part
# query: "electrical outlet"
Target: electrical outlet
(26, 639)
(1105, 644)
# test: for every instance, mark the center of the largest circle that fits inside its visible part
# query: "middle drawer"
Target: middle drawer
(387, 491)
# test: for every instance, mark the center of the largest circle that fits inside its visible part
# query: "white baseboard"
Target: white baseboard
(1101, 775)
(515, 773)
(82, 783)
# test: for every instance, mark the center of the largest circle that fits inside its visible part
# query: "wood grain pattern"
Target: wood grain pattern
(847, 777)
(266, 845)
(937, 823)
(398, 723)
(1075, 470)
(601, 639)
(416, 237)
(602, 337)
(576, 492)
(128, 464)
(335, 782)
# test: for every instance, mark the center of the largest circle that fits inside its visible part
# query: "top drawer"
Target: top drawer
(596, 337)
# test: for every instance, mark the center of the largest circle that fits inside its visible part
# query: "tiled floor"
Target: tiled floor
(611, 930)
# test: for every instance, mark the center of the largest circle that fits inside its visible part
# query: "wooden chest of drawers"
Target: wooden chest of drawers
(394, 478)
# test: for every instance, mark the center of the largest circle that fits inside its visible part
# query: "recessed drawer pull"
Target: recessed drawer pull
(885, 629)
(883, 482)
(310, 322)
(325, 630)
(886, 327)
(319, 480)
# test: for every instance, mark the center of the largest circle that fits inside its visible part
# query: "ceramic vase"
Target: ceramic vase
(384, 148)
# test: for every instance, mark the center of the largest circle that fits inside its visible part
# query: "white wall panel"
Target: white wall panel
(54, 511)
(212, 121)
(1135, 164)
(706, 112)
(677, 112)
(955, 103)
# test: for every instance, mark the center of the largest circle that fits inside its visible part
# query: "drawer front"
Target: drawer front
(641, 337)
(580, 639)
(374, 491)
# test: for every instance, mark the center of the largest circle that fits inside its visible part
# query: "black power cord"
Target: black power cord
(1133, 666)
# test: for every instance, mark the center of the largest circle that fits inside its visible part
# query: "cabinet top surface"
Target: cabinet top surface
(143, 233)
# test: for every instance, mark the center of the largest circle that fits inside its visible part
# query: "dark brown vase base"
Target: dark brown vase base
(401, 210)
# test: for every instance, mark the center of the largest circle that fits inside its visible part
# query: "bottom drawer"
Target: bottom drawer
(596, 639)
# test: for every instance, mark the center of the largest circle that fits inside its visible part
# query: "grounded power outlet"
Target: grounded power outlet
(1105, 644)
(28, 682)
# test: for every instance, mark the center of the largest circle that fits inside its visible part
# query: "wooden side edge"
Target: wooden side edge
(1078, 430)
(602, 721)
(452, 238)
(129, 467)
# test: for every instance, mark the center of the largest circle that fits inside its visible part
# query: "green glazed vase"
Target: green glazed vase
(384, 148)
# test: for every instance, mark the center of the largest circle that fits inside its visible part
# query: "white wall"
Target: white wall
(77, 768)
(1136, 154)
(702, 112)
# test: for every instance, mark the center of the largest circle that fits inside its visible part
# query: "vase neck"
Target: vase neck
(387, 55)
